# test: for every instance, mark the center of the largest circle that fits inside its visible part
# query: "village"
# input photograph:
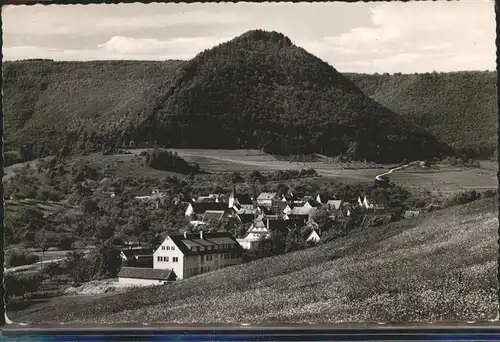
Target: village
(201, 250)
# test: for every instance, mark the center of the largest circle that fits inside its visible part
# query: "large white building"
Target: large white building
(191, 254)
(268, 199)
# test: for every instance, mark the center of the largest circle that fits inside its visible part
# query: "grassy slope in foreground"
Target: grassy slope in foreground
(438, 267)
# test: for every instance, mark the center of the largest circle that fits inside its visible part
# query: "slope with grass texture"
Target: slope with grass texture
(436, 267)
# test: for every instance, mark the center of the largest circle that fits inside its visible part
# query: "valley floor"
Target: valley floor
(440, 178)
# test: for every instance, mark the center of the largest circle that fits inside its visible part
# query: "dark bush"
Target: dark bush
(489, 193)
(18, 257)
(168, 161)
(20, 284)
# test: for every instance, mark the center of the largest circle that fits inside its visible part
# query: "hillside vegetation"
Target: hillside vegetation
(255, 91)
(458, 107)
(397, 274)
(44, 99)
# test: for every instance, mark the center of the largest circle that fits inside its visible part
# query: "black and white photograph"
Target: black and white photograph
(250, 163)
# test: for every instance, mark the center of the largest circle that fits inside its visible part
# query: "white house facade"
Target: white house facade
(268, 199)
(191, 254)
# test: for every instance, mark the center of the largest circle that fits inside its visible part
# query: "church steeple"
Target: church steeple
(232, 197)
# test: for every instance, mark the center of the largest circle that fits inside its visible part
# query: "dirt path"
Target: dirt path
(379, 177)
(30, 266)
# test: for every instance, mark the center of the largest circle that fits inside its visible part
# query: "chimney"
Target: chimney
(185, 234)
(201, 234)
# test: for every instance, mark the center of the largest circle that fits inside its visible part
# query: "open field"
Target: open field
(395, 273)
(443, 178)
(46, 207)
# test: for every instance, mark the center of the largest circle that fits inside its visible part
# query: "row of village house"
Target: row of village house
(185, 255)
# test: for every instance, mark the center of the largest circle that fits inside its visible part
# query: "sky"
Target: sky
(353, 37)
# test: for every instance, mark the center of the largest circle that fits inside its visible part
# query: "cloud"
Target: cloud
(188, 46)
(120, 47)
(353, 37)
(92, 19)
(416, 36)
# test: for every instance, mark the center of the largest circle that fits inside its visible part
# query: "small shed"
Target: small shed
(145, 276)
(411, 213)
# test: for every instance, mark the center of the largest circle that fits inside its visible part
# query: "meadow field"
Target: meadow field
(439, 178)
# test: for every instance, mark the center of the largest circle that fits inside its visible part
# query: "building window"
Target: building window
(172, 248)
(166, 259)
(167, 248)
(158, 258)
(175, 259)
(163, 247)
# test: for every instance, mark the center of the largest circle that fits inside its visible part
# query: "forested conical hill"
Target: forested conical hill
(255, 91)
(460, 108)
(261, 91)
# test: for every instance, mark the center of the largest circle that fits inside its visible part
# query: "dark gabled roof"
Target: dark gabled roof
(141, 261)
(246, 218)
(147, 273)
(206, 199)
(325, 198)
(130, 253)
(243, 199)
(213, 215)
(200, 208)
(295, 195)
(313, 203)
(266, 210)
(379, 199)
(275, 224)
(211, 238)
